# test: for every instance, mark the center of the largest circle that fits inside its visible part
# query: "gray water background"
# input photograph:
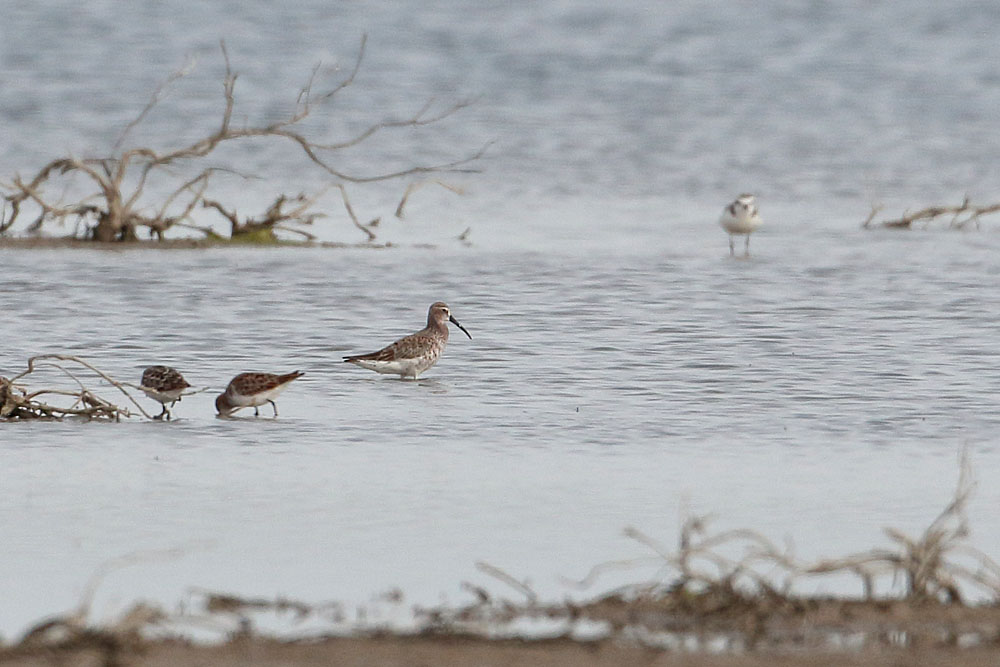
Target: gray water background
(624, 370)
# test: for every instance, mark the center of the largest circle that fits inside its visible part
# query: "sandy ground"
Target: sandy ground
(452, 651)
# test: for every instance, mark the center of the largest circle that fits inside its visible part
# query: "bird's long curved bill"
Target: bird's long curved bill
(455, 322)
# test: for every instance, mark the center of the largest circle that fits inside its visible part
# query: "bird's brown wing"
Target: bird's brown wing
(249, 384)
(163, 378)
(404, 348)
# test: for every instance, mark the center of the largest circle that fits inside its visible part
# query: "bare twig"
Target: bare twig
(4, 224)
(350, 212)
(416, 185)
(154, 100)
(876, 209)
(500, 575)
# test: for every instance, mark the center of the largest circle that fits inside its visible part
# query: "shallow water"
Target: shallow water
(817, 398)
(623, 369)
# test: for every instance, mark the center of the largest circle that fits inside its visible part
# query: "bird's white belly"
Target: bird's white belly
(402, 367)
(735, 225)
(163, 396)
(257, 399)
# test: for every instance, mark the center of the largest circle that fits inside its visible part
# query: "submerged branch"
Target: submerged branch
(962, 216)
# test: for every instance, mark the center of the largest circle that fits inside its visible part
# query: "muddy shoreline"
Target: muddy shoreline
(411, 651)
(716, 630)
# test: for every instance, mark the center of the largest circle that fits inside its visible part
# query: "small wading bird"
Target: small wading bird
(163, 384)
(248, 390)
(740, 217)
(410, 356)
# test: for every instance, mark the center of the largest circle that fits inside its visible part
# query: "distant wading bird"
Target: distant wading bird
(410, 356)
(248, 390)
(163, 384)
(740, 217)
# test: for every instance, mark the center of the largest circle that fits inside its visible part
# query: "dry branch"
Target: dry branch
(520, 586)
(119, 181)
(416, 185)
(962, 216)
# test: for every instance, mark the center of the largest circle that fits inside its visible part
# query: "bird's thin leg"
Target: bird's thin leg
(746, 247)
(732, 249)
(275, 406)
(160, 416)
(256, 412)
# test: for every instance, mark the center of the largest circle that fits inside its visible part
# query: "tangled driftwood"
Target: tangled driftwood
(17, 401)
(116, 208)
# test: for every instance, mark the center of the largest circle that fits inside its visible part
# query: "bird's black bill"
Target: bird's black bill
(455, 322)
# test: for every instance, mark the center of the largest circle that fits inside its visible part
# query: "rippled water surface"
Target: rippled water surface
(623, 369)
